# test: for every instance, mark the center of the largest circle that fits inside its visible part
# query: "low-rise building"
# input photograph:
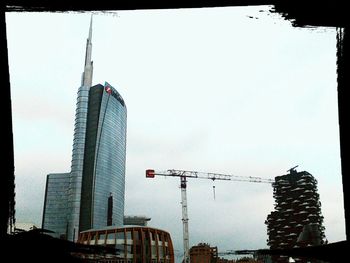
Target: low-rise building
(136, 220)
(132, 244)
(203, 253)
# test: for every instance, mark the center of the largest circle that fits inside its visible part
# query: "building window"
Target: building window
(102, 238)
(154, 251)
(111, 236)
(120, 236)
(129, 249)
(120, 249)
(160, 251)
(128, 235)
(159, 237)
(153, 236)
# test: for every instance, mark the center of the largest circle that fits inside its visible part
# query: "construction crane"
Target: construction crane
(150, 173)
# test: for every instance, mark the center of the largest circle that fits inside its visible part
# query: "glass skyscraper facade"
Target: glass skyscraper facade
(92, 194)
(74, 190)
(104, 160)
(55, 207)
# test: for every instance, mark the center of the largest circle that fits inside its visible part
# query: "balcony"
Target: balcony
(312, 215)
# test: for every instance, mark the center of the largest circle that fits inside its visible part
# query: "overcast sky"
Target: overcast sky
(233, 90)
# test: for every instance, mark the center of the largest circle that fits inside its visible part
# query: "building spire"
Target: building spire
(90, 29)
(88, 67)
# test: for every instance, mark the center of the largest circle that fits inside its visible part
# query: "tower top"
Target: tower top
(90, 29)
(88, 67)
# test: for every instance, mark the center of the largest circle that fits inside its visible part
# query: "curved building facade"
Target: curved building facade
(132, 244)
(74, 190)
(103, 176)
(92, 194)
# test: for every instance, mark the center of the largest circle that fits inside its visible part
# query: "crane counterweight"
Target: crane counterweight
(150, 173)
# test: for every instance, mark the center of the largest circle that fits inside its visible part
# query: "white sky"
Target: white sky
(207, 89)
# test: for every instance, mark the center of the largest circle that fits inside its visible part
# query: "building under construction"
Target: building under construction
(297, 220)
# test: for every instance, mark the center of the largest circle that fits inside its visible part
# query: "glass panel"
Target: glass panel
(111, 236)
(154, 251)
(119, 249)
(129, 249)
(128, 235)
(120, 235)
(102, 236)
(160, 250)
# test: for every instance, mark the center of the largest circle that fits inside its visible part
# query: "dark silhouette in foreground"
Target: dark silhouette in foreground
(332, 252)
(36, 246)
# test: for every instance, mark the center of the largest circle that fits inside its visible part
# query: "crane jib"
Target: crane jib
(150, 173)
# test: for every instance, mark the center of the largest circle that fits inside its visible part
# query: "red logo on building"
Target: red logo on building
(108, 90)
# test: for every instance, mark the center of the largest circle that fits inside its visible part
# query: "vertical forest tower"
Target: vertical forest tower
(297, 220)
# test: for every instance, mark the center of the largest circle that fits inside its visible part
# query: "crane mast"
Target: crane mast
(186, 241)
(150, 173)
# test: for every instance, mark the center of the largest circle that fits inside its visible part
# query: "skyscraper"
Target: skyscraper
(74, 190)
(104, 160)
(297, 220)
(55, 204)
(92, 194)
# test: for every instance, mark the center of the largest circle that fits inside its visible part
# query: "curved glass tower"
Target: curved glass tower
(92, 194)
(74, 190)
(103, 178)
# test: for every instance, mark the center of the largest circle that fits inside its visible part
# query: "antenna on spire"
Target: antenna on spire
(90, 29)
(88, 67)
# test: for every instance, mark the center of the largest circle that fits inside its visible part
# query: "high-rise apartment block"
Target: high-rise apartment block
(297, 220)
(103, 180)
(92, 194)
